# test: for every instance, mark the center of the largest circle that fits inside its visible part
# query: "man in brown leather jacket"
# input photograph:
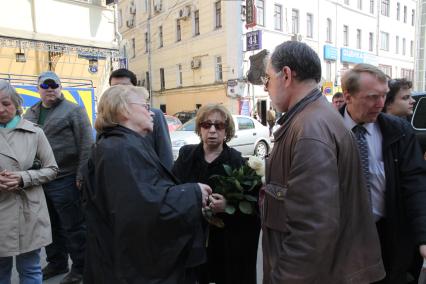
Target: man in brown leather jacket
(316, 217)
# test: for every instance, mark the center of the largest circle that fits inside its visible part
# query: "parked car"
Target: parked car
(172, 122)
(184, 116)
(251, 137)
(418, 120)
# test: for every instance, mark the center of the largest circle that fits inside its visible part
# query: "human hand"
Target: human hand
(422, 250)
(9, 181)
(205, 192)
(217, 203)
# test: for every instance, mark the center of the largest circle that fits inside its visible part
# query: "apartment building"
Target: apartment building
(191, 52)
(74, 38)
(420, 75)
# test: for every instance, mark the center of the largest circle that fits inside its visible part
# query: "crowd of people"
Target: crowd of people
(343, 200)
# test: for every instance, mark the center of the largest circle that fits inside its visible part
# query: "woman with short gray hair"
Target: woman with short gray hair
(26, 162)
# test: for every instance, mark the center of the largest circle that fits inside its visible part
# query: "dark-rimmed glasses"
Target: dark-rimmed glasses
(209, 124)
(53, 86)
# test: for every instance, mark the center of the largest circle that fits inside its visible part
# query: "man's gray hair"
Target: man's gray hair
(6, 88)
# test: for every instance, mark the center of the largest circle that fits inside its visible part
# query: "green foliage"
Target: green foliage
(239, 188)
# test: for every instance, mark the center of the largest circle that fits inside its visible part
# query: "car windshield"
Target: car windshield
(188, 126)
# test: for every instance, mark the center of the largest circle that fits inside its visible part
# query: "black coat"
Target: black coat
(232, 250)
(142, 227)
(405, 195)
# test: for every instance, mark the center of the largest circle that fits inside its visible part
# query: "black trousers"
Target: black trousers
(68, 225)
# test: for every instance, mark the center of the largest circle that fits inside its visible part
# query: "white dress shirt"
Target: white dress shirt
(375, 164)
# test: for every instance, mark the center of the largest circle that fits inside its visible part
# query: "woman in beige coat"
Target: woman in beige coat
(26, 162)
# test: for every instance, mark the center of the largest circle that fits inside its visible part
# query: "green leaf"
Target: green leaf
(238, 185)
(228, 169)
(245, 207)
(230, 209)
(250, 198)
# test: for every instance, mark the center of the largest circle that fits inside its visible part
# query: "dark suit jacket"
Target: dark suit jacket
(160, 139)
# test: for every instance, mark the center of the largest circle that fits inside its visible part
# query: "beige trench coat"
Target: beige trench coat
(24, 222)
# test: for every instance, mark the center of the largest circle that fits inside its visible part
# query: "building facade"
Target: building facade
(74, 38)
(420, 75)
(191, 52)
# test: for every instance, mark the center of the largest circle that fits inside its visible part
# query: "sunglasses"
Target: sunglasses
(47, 86)
(217, 125)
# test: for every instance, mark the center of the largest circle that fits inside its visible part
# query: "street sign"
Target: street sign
(250, 14)
(254, 40)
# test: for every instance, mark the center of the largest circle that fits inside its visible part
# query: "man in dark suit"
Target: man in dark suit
(160, 137)
(393, 166)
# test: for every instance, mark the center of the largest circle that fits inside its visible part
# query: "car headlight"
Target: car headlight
(178, 143)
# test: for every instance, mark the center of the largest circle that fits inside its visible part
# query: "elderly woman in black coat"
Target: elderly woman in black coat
(231, 250)
(142, 226)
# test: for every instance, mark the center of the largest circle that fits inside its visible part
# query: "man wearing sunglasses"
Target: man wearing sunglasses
(68, 129)
(316, 220)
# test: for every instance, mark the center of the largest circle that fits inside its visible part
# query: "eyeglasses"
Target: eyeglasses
(146, 106)
(265, 79)
(209, 124)
(53, 86)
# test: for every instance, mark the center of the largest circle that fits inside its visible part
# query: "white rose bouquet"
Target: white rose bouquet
(240, 187)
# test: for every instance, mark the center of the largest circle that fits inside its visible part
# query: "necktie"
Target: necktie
(360, 133)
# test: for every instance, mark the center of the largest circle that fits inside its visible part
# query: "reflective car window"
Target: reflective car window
(188, 126)
(245, 123)
(419, 116)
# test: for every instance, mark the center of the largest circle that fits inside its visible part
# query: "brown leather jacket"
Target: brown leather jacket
(316, 217)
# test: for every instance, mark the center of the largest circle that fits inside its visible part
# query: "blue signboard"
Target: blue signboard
(356, 56)
(254, 40)
(330, 52)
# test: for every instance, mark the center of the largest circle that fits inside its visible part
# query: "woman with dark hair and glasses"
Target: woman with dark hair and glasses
(231, 250)
(398, 100)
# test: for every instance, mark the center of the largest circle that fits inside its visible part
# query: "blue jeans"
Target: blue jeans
(68, 225)
(28, 266)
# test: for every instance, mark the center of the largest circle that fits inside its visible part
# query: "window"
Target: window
(148, 82)
(179, 75)
(403, 46)
(407, 74)
(405, 14)
(218, 69)
(295, 21)
(359, 4)
(145, 6)
(120, 18)
(413, 17)
(260, 6)
(387, 69)
(370, 41)
(160, 36)
(358, 38)
(384, 41)
(385, 8)
(398, 11)
(178, 31)
(146, 42)
(345, 35)
(309, 25)
(133, 54)
(196, 22)
(278, 18)
(218, 15)
(245, 123)
(411, 48)
(371, 6)
(397, 44)
(329, 30)
(162, 80)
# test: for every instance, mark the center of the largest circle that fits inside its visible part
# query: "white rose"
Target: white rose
(257, 164)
